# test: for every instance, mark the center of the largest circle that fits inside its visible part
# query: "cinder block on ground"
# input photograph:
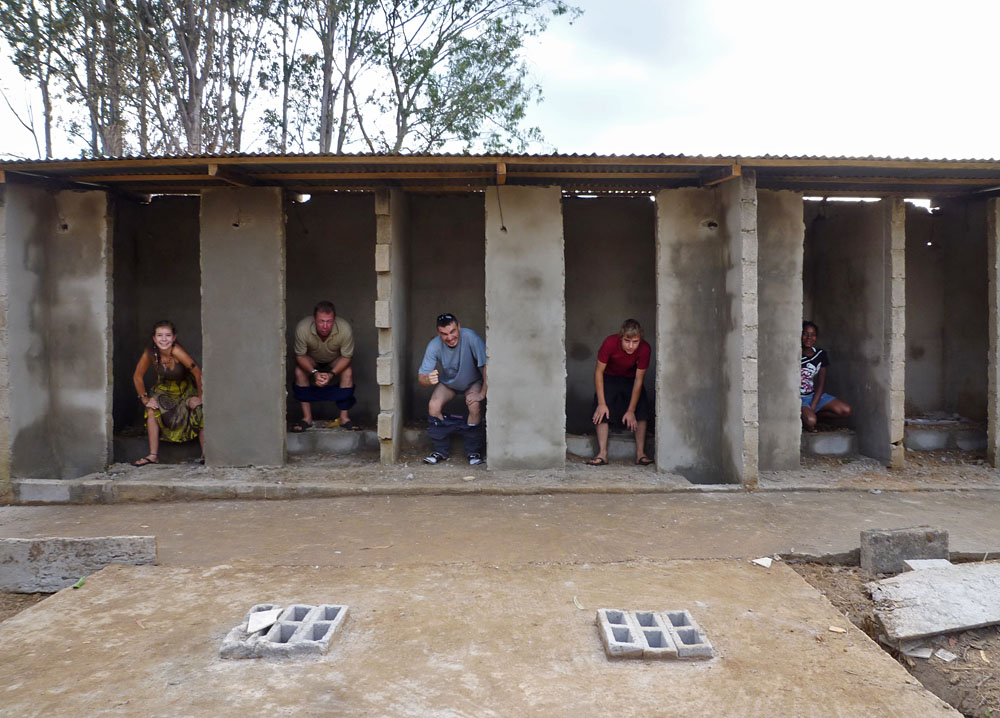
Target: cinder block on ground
(47, 565)
(651, 634)
(930, 435)
(842, 442)
(884, 550)
(300, 630)
(621, 446)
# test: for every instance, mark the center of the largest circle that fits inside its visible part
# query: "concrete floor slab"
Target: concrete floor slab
(448, 640)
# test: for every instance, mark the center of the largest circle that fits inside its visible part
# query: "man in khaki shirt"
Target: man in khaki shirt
(324, 347)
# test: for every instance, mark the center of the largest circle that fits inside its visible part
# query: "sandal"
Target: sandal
(301, 425)
(597, 461)
(146, 460)
(350, 425)
(643, 461)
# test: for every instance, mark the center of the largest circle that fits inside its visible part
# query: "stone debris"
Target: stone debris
(299, 630)
(651, 634)
(938, 600)
(47, 565)
(918, 564)
(884, 550)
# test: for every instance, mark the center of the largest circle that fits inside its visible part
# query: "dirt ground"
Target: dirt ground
(13, 603)
(970, 683)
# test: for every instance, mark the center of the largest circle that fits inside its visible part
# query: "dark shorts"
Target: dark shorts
(618, 393)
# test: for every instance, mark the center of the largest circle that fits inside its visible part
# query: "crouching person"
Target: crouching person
(461, 355)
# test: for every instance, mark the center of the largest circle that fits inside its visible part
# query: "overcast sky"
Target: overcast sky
(750, 77)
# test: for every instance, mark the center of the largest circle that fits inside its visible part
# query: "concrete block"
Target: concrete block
(383, 317)
(383, 286)
(919, 564)
(383, 370)
(884, 550)
(302, 630)
(52, 564)
(385, 419)
(621, 446)
(383, 257)
(971, 440)
(938, 600)
(585, 446)
(651, 634)
(926, 438)
(387, 398)
(830, 443)
(42, 491)
(382, 201)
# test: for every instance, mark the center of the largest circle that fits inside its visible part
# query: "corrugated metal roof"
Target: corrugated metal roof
(311, 172)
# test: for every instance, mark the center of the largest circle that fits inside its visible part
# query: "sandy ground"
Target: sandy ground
(970, 682)
(448, 640)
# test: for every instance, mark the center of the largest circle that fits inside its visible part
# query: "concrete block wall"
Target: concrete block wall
(740, 436)
(706, 383)
(391, 262)
(243, 319)
(781, 233)
(993, 329)
(610, 276)
(329, 255)
(855, 262)
(525, 328)
(946, 309)
(5, 483)
(59, 258)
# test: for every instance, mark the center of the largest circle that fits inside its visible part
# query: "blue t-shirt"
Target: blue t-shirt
(459, 365)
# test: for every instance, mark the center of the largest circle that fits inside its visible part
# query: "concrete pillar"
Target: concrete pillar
(243, 325)
(525, 328)
(741, 428)
(5, 485)
(993, 359)
(391, 247)
(856, 254)
(781, 233)
(58, 331)
(706, 387)
(894, 222)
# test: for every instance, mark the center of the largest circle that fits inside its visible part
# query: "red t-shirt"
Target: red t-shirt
(622, 364)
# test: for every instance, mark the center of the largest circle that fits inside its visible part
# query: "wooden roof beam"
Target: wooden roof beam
(718, 175)
(231, 176)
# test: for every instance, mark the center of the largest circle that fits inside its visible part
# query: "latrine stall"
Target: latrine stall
(727, 251)
(854, 290)
(610, 277)
(947, 315)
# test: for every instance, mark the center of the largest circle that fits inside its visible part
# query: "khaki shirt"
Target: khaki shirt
(340, 343)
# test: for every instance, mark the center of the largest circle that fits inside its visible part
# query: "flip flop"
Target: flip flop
(598, 461)
(146, 460)
(350, 425)
(643, 461)
(299, 426)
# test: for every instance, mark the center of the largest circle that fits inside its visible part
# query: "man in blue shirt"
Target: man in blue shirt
(461, 354)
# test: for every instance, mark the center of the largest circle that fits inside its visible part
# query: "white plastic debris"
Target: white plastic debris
(765, 561)
(946, 656)
(262, 619)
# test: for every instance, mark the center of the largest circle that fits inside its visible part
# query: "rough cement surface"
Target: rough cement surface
(938, 600)
(781, 234)
(525, 328)
(243, 293)
(51, 564)
(143, 641)
(884, 550)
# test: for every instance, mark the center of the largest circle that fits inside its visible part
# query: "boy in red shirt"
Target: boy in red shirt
(619, 395)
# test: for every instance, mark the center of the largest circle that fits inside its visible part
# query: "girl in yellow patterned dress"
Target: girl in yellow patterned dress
(174, 401)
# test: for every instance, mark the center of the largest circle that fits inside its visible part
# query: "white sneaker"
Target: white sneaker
(435, 458)
(475, 459)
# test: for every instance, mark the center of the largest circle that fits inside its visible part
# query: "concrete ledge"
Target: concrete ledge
(939, 436)
(48, 565)
(330, 441)
(621, 447)
(842, 442)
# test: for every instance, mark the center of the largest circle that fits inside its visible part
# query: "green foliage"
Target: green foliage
(175, 76)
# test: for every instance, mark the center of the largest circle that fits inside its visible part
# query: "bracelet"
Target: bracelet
(315, 371)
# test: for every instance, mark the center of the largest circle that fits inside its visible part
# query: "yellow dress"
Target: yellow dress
(173, 388)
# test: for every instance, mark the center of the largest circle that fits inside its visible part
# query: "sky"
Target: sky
(748, 77)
